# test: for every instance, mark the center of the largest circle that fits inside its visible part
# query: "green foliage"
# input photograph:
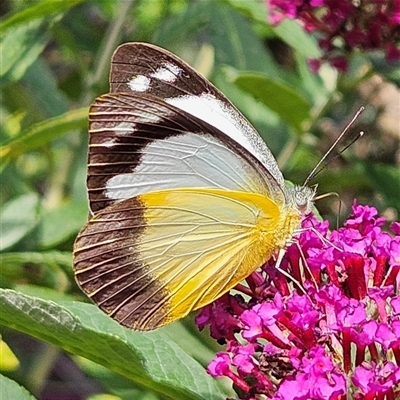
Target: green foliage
(55, 57)
(39, 134)
(37, 11)
(10, 389)
(84, 330)
(285, 100)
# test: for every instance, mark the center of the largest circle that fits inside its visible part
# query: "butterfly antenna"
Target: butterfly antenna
(317, 168)
(360, 134)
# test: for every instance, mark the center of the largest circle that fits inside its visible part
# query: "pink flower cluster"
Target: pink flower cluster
(344, 25)
(336, 338)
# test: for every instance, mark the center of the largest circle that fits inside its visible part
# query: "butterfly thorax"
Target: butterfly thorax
(273, 238)
(301, 198)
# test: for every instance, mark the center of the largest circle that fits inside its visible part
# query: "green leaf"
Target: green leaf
(189, 342)
(59, 224)
(114, 383)
(49, 258)
(288, 103)
(38, 10)
(178, 28)
(313, 84)
(150, 359)
(390, 71)
(10, 389)
(236, 43)
(385, 179)
(41, 133)
(295, 36)
(46, 293)
(289, 31)
(20, 48)
(43, 86)
(18, 217)
(253, 9)
(51, 269)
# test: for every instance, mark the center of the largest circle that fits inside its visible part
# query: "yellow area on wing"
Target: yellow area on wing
(199, 243)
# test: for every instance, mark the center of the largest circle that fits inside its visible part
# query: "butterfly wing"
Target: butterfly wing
(148, 69)
(182, 209)
(150, 260)
(140, 144)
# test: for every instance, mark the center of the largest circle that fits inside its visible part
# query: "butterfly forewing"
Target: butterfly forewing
(142, 68)
(140, 144)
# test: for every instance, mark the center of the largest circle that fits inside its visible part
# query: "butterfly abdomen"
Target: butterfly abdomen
(290, 220)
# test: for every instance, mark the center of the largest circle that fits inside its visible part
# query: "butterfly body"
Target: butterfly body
(183, 209)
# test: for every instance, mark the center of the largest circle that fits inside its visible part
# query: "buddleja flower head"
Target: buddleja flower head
(336, 338)
(343, 26)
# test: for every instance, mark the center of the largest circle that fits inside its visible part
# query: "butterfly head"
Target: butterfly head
(302, 198)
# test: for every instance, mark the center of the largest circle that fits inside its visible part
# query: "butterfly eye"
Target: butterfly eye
(303, 198)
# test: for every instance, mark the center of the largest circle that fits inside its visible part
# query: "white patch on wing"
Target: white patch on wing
(123, 128)
(187, 161)
(217, 113)
(167, 73)
(108, 143)
(139, 83)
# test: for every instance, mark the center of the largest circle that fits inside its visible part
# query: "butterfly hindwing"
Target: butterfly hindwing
(151, 259)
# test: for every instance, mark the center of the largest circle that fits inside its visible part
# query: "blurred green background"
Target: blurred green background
(55, 59)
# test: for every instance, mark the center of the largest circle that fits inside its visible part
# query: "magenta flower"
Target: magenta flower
(343, 26)
(336, 338)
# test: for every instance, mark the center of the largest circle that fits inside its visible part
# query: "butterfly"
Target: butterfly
(186, 199)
